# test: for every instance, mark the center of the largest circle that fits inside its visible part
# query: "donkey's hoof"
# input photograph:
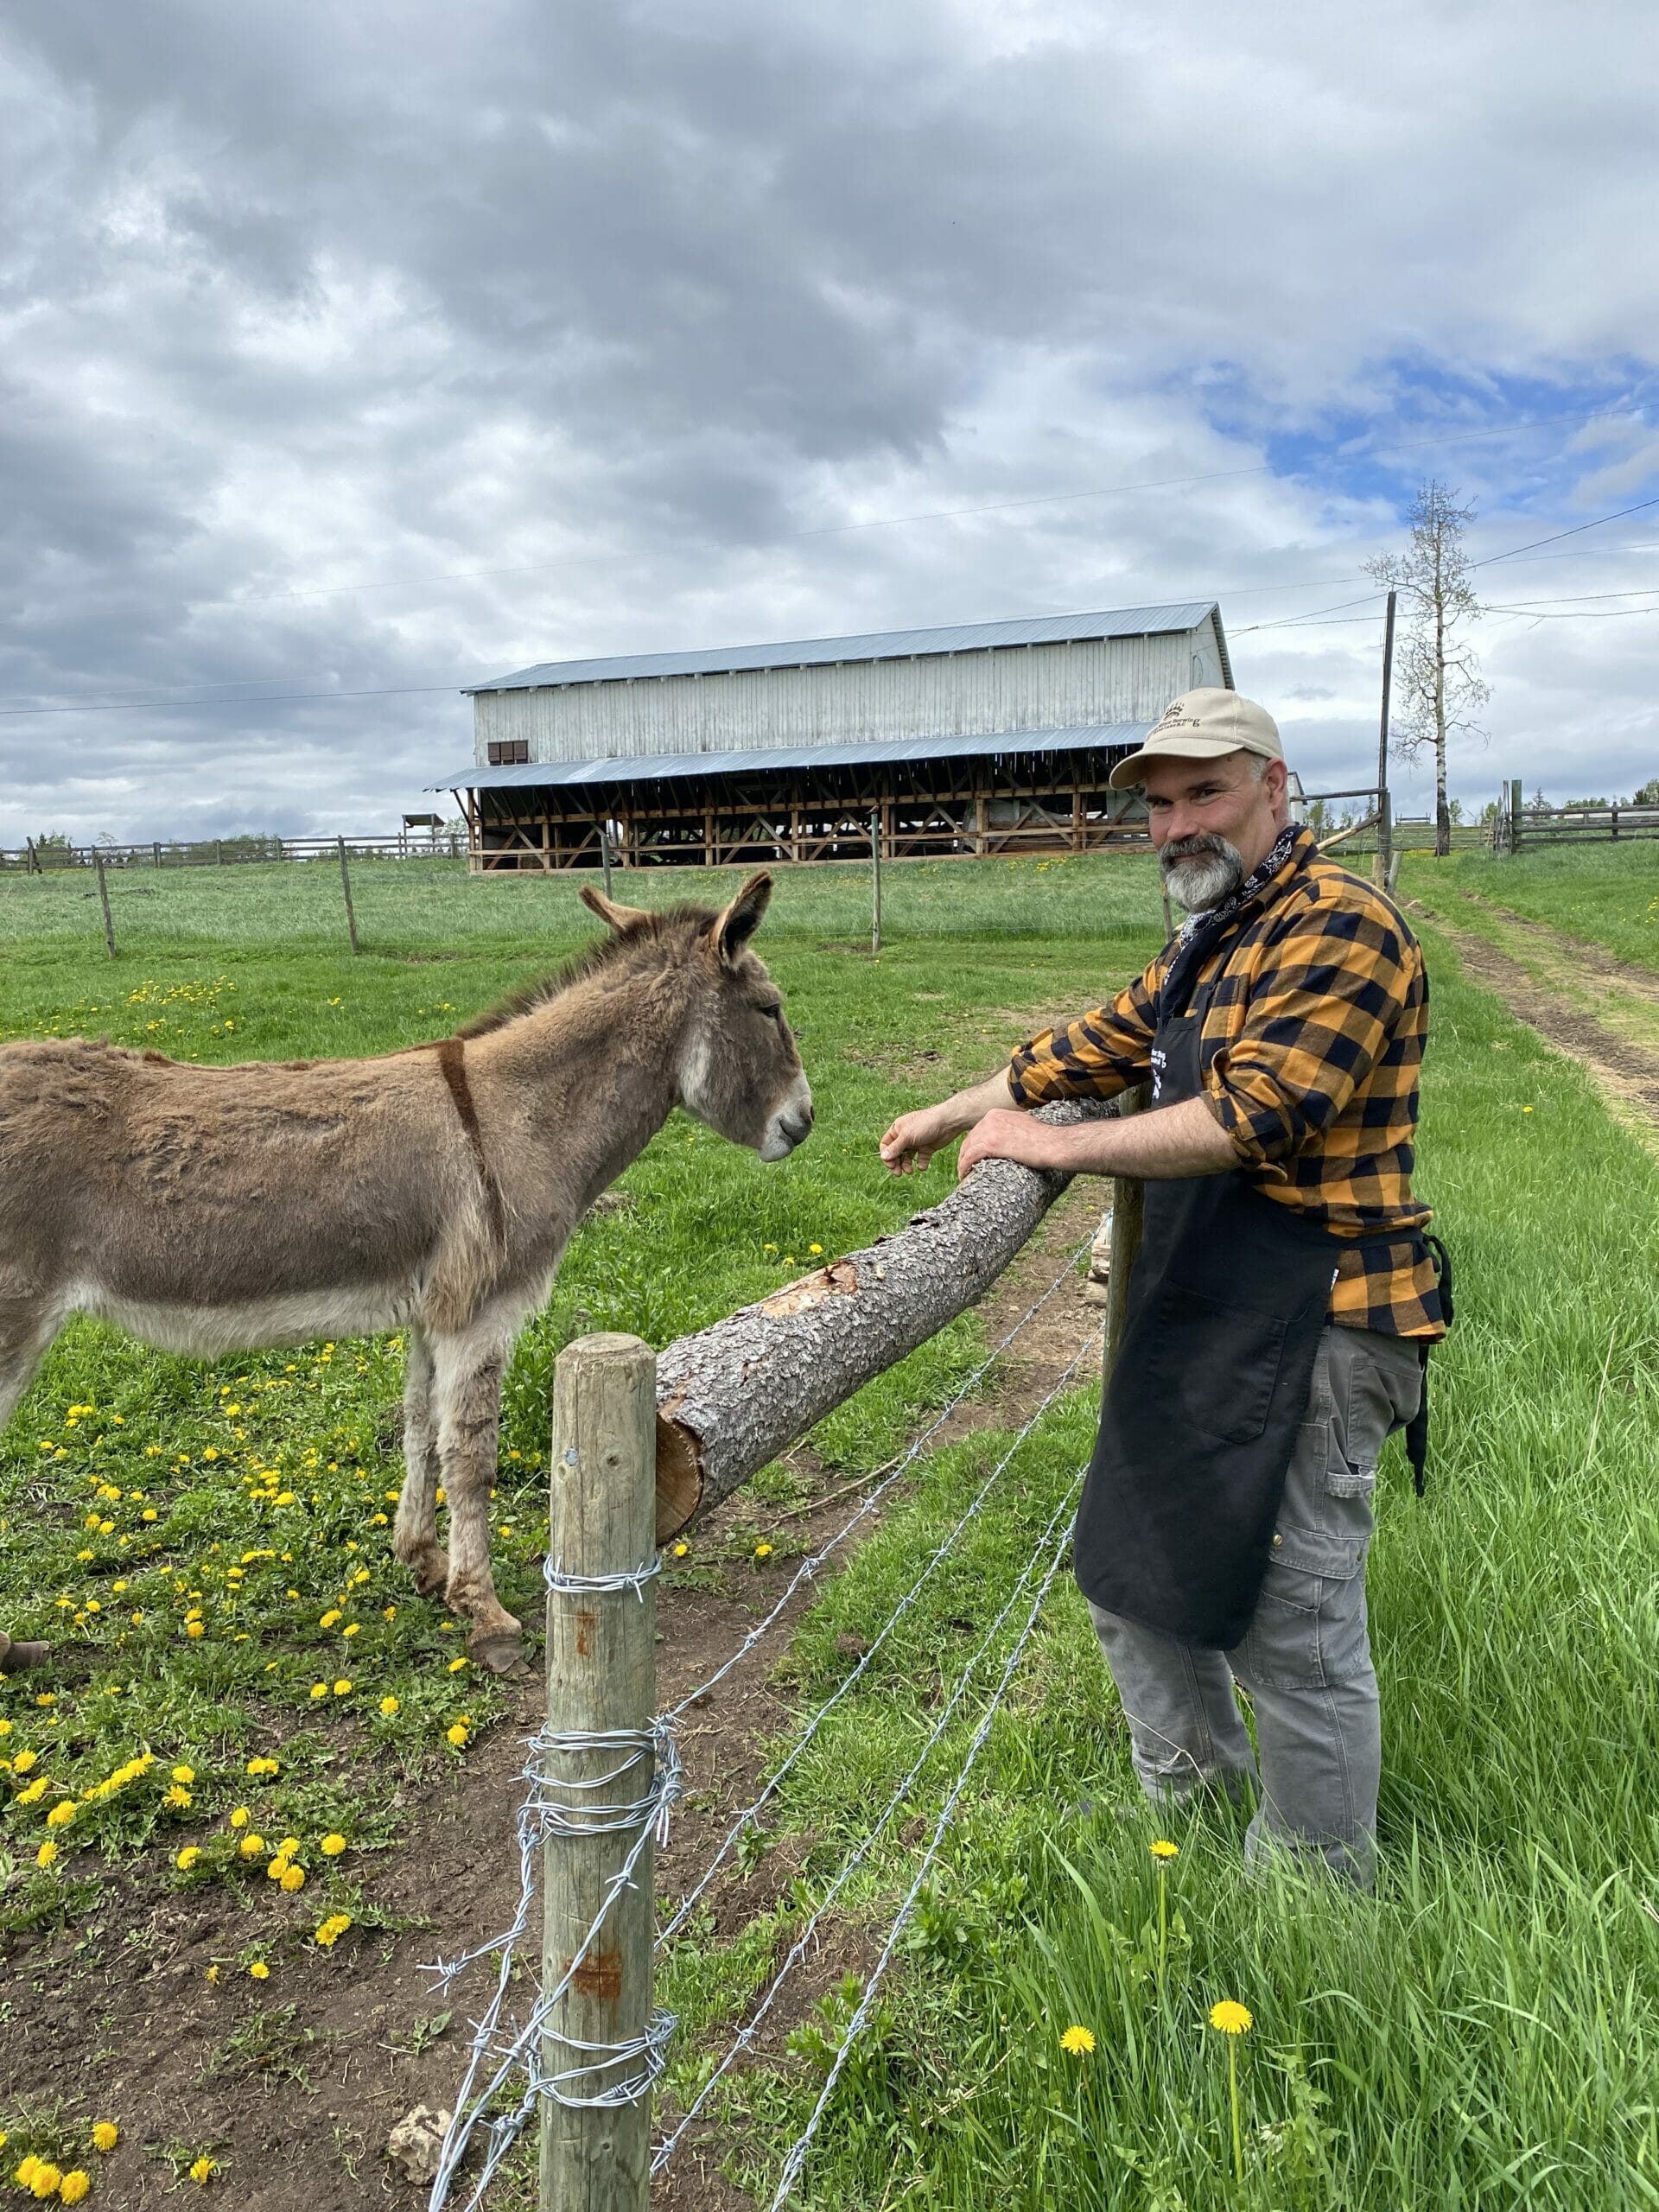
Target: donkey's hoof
(499, 1651)
(15, 1656)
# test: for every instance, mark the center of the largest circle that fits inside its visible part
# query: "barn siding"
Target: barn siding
(1095, 681)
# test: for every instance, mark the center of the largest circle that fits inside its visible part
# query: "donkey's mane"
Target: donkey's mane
(610, 949)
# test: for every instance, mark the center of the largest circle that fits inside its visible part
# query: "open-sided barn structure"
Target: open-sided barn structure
(991, 737)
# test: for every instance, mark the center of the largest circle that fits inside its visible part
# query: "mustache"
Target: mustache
(1201, 843)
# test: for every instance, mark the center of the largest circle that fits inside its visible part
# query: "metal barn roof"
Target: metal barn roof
(648, 768)
(882, 644)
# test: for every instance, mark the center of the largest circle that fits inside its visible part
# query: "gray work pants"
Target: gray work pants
(1306, 1659)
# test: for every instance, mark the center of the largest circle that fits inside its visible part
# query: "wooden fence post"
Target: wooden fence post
(346, 885)
(1128, 1211)
(875, 882)
(104, 900)
(601, 1667)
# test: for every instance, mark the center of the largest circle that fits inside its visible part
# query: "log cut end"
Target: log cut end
(679, 1476)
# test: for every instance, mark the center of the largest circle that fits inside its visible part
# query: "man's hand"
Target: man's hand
(912, 1141)
(914, 1138)
(1004, 1134)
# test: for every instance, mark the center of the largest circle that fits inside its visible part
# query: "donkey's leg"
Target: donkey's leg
(469, 1369)
(415, 1533)
(26, 1335)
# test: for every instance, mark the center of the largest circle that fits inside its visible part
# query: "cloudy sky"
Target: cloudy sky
(353, 353)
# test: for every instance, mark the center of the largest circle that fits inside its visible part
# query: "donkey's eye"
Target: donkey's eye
(773, 1013)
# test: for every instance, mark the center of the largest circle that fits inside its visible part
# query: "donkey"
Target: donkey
(432, 1190)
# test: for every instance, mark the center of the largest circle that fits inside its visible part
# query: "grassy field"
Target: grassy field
(1607, 893)
(1483, 2033)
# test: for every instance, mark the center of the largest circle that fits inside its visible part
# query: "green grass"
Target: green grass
(208, 1546)
(1481, 2034)
(1607, 894)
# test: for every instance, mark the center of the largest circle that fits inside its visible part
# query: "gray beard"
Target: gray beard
(1200, 880)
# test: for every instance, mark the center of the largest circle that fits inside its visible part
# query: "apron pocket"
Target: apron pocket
(1214, 1366)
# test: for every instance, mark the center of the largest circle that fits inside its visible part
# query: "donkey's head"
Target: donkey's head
(738, 1070)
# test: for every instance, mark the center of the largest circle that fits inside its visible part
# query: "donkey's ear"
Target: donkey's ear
(614, 917)
(742, 917)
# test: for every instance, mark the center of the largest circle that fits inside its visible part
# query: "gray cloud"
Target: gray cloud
(648, 303)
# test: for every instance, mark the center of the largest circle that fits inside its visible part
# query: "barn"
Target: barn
(990, 737)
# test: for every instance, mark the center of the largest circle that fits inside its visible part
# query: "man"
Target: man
(1279, 1312)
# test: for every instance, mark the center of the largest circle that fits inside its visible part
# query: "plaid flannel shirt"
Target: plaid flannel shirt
(1309, 1053)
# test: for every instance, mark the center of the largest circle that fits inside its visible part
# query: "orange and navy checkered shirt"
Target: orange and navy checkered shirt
(1310, 1054)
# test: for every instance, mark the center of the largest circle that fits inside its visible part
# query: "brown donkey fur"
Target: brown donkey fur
(218, 1209)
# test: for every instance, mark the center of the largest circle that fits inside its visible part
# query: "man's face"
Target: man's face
(1212, 823)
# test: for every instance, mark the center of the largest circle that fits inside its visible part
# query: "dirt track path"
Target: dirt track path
(1601, 1012)
(294, 2083)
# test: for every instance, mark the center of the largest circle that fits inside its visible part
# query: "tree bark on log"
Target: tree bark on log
(731, 1397)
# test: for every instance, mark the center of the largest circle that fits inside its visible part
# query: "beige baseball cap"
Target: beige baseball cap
(1202, 725)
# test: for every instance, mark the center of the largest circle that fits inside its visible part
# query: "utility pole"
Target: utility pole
(1379, 872)
(346, 885)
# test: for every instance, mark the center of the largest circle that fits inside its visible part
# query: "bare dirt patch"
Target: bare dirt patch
(292, 2084)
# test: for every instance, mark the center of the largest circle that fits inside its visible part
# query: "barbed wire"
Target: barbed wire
(745, 2037)
(509, 2050)
(746, 1817)
(795, 2158)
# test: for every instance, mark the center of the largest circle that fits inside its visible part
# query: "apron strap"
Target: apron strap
(1417, 1426)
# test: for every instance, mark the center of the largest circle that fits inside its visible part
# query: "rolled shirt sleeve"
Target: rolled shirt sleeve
(1319, 1018)
(1096, 1056)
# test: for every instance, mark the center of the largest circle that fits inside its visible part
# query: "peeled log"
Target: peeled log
(731, 1397)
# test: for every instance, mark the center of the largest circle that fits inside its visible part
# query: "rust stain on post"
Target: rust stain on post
(585, 1621)
(599, 1975)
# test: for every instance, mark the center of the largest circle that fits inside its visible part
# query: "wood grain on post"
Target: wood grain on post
(1129, 1214)
(601, 1674)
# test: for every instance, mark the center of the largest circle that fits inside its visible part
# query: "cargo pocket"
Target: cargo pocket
(1300, 1634)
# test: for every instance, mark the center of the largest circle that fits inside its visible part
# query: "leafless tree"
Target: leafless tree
(1440, 686)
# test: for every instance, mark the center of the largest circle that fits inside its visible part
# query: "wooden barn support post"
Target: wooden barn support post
(346, 885)
(104, 899)
(601, 1681)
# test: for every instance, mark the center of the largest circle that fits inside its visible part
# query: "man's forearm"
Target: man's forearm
(1172, 1141)
(964, 1107)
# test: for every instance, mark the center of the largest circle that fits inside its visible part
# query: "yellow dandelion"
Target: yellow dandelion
(456, 1735)
(319, 1689)
(388, 1706)
(61, 1814)
(252, 1847)
(763, 1551)
(46, 1855)
(240, 1817)
(25, 2172)
(331, 1846)
(74, 2186)
(260, 1971)
(1164, 1849)
(329, 1617)
(187, 1858)
(342, 1686)
(278, 1866)
(263, 1766)
(184, 1774)
(680, 1550)
(44, 2181)
(1078, 2041)
(105, 2135)
(1232, 2020)
(212, 1973)
(204, 2168)
(178, 1796)
(294, 1878)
